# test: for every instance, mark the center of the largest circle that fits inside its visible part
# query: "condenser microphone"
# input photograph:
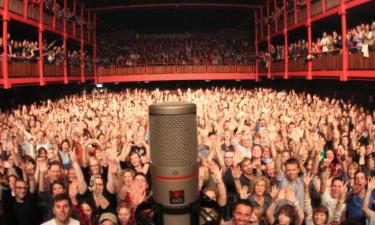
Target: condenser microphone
(174, 160)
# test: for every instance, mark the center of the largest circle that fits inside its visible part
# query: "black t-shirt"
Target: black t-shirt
(16, 213)
(111, 198)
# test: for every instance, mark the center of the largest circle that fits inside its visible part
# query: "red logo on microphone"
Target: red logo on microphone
(177, 197)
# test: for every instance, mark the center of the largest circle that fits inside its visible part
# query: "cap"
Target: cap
(108, 216)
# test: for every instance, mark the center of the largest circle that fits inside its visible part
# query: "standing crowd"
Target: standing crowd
(266, 157)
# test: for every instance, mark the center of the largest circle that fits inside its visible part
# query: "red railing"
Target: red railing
(358, 62)
(298, 64)
(23, 69)
(278, 66)
(327, 62)
(53, 70)
(173, 69)
(316, 8)
(16, 6)
(332, 3)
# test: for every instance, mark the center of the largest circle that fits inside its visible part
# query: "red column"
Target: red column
(269, 40)
(344, 75)
(309, 39)
(4, 63)
(40, 36)
(295, 12)
(256, 46)
(88, 25)
(54, 14)
(286, 51)
(323, 6)
(82, 49)
(276, 17)
(25, 5)
(261, 23)
(65, 63)
(95, 75)
(75, 14)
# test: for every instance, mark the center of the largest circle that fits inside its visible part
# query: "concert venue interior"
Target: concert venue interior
(284, 102)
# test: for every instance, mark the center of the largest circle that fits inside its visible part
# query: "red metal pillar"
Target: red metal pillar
(324, 8)
(75, 14)
(88, 26)
(344, 75)
(256, 46)
(276, 15)
(54, 14)
(82, 43)
(65, 62)
(25, 5)
(95, 72)
(4, 63)
(269, 41)
(286, 50)
(309, 39)
(295, 12)
(40, 32)
(261, 23)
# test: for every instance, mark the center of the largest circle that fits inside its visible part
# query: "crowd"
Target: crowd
(266, 157)
(180, 49)
(359, 39)
(53, 53)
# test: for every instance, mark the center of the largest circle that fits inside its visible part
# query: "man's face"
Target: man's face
(360, 181)
(20, 189)
(228, 158)
(247, 168)
(62, 209)
(292, 171)
(54, 172)
(336, 188)
(242, 214)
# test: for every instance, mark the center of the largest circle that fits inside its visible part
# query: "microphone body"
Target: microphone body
(174, 157)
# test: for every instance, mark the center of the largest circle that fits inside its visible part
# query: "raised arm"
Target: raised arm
(370, 187)
(82, 186)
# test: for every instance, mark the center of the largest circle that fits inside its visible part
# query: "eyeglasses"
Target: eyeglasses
(23, 188)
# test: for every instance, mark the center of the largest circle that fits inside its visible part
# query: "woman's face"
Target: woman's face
(87, 210)
(123, 215)
(330, 156)
(127, 178)
(320, 218)
(351, 172)
(284, 219)
(260, 188)
(135, 160)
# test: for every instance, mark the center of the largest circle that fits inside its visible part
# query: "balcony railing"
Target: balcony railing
(23, 69)
(16, 6)
(357, 61)
(174, 69)
(53, 70)
(332, 3)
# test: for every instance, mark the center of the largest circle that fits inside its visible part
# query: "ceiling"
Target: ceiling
(171, 18)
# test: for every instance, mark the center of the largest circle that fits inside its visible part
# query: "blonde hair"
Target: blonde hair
(259, 179)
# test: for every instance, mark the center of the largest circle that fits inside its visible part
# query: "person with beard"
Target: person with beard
(355, 200)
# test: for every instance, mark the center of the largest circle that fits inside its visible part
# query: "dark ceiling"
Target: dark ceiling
(172, 19)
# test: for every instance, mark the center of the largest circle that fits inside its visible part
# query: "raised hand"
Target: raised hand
(307, 180)
(73, 188)
(244, 192)
(112, 167)
(236, 172)
(72, 155)
(371, 183)
(274, 191)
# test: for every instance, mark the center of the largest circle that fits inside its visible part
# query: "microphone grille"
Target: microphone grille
(173, 135)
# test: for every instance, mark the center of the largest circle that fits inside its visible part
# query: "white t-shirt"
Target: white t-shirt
(53, 222)
(331, 204)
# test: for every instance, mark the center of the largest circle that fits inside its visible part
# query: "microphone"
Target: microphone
(174, 157)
